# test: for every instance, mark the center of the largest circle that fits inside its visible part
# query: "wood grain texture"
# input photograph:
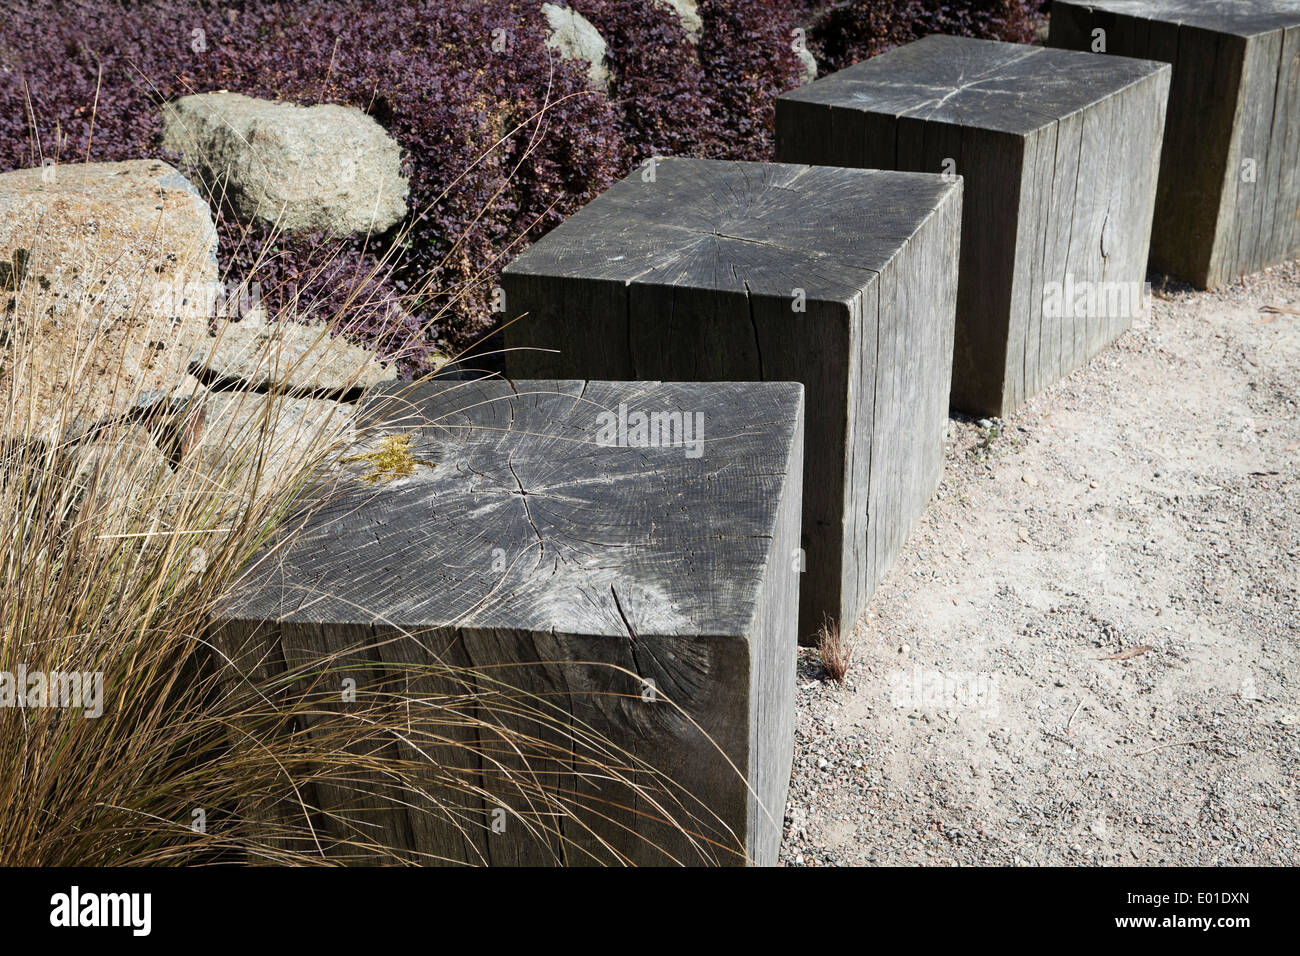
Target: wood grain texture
(533, 548)
(1059, 156)
(1235, 98)
(693, 277)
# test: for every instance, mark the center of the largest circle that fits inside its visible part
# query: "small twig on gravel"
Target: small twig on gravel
(1071, 720)
(1177, 743)
(1128, 654)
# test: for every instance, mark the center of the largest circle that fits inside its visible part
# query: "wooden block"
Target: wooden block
(593, 567)
(844, 280)
(1059, 153)
(1228, 202)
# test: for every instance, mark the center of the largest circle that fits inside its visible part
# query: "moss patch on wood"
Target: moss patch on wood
(393, 459)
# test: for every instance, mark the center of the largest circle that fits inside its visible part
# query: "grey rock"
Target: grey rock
(302, 358)
(573, 37)
(807, 64)
(324, 168)
(687, 13)
(287, 430)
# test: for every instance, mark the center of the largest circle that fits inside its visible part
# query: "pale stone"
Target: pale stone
(272, 437)
(301, 358)
(120, 477)
(574, 38)
(111, 272)
(324, 168)
(687, 13)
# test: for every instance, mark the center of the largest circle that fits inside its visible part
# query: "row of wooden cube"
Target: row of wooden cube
(682, 570)
(889, 294)
(553, 531)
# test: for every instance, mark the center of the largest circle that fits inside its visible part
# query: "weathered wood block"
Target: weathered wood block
(1228, 202)
(1059, 153)
(645, 590)
(844, 280)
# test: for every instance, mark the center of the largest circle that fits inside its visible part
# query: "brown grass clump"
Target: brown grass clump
(835, 650)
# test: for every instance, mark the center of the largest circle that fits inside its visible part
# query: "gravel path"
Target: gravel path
(1151, 499)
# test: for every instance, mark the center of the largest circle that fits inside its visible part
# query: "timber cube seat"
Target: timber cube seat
(642, 585)
(1059, 150)
(1229, 196)
(843, 280)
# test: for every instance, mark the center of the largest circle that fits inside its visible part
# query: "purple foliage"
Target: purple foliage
(844, 34)
(747, 51)
(657, 84)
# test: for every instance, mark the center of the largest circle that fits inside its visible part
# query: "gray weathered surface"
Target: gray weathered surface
(691, 277)
(1235, 97)
(1059, 152)
(675, 568)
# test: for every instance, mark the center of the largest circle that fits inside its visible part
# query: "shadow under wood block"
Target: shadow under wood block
(844, 280)
(1229, 197)
(1059, 151)
(624, 601)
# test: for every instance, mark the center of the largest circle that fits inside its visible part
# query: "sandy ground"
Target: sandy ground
(1151, 499)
